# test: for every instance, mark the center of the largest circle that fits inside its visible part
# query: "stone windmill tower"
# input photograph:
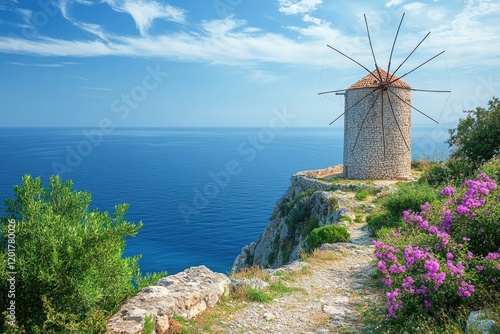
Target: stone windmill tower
(377, 123)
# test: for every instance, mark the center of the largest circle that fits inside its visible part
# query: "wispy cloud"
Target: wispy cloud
(144, 12)
(94, 29)
(393, 3)
(61, 64)
(471, 35)
(290, 7)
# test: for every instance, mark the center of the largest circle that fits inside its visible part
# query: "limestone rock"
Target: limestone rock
(337, 247)
(186, 294)
(268, 316)
(254, 283)
(478, 322)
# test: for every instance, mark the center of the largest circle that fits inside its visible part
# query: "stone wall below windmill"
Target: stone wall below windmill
(377, 134)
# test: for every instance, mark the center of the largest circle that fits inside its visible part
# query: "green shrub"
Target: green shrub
(436, 174)
(476, 138)
(361, 194)
(346, 219)
(70, 270)
(379, 220)
(326, 234)
(409, 196)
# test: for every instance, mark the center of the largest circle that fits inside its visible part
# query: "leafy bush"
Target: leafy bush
(376, 221)
(436, 174)
(361, 194)
(70, 272)
(409, 196)
(445, 253)
(476, 138)
(326, 234)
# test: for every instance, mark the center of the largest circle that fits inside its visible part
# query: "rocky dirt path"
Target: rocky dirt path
(335, 288)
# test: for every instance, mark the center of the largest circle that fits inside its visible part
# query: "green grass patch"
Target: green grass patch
(361, 194)
(258, 296)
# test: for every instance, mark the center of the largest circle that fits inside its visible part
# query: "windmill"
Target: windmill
(377, 119)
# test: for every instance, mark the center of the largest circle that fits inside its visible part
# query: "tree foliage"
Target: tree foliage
(476, 138)
(70, 273)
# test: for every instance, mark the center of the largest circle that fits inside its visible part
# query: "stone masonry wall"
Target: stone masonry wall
(367, 159)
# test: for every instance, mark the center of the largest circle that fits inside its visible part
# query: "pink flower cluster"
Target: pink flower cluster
(419, 269)
(393, 304)
(465, 289)
(475, 196)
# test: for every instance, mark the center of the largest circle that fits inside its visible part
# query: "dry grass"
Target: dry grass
(253, 271)
(320, 257)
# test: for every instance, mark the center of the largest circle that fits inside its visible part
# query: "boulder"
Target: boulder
(185, 294)
(479, 322)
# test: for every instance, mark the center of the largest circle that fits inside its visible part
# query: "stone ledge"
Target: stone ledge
(185, 294)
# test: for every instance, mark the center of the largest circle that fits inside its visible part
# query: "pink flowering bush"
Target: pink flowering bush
(445, 252)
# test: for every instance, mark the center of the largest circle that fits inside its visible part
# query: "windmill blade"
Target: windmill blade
(362, 123)
(332, 91)
(429, 117)
(355, 104)
(382, 119)
(397, 123)
(371, 47)
(425, 62)
(404, 61)
(430, 90)
(393, 44)
(343, 54)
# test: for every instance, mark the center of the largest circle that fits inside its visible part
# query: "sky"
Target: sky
(229, 63)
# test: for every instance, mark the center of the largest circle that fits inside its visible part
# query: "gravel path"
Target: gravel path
(334, 291)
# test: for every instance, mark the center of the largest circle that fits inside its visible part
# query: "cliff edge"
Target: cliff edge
(315, 198)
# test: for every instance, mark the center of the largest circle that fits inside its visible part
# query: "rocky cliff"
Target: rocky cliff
(314, 198)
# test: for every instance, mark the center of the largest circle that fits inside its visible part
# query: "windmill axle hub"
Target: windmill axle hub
(383, 86)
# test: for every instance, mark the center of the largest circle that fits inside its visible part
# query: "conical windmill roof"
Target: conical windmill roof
(369, 81)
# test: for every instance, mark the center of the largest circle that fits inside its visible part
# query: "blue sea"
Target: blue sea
(201, 193)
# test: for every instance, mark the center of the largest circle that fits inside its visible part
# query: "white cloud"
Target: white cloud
(94, 29)
(262, 76)
(393, 3)
(469, 36)
(62, 64)
(309, 18)
(414, 7)
(144, 12)
(289, 7)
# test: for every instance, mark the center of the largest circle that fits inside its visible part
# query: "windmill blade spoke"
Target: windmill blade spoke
(355, 104)
(404, 61)
(382, 118)
(343, 54)
(371, 47)
(429, 117)
(425, 62)
(430, 90)
(363, 122)
(332, 91)
(393, 44)
(397, 123)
